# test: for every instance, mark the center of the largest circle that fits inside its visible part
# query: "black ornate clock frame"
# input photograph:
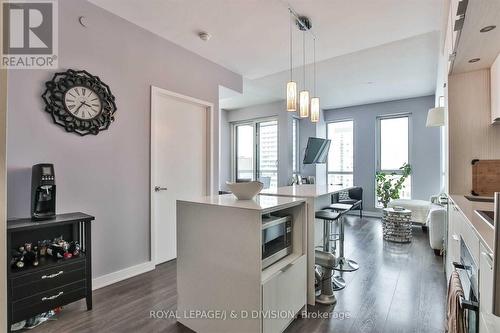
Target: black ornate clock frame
(54, 102)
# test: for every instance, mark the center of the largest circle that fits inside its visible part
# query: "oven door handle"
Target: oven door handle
(458, 265)
(469, 305)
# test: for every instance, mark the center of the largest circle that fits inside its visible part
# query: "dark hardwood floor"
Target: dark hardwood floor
(398, 288)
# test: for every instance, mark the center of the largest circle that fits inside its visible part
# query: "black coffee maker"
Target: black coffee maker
(43, 192)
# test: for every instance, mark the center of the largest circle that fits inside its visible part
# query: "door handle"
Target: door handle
(158, 189)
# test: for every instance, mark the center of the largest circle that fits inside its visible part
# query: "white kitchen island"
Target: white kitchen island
(317, 197)
(221, 284)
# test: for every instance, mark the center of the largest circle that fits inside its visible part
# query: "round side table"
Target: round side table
(396, 225)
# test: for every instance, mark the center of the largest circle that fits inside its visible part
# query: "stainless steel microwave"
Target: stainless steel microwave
(276, 238)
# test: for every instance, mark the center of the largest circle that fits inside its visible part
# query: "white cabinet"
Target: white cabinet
(283, 295)
(453, 249)
(488, 321)
(495, 90)
(219, 265)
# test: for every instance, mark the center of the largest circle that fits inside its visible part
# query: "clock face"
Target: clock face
(82, 102)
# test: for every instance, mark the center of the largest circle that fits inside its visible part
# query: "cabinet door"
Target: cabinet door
(495, 90)
(284, 293)
(453, 250)
(485, 292)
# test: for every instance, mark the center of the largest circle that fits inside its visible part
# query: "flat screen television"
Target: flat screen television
(316, 151)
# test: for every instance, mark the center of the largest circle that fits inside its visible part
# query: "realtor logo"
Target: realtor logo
(29, 34)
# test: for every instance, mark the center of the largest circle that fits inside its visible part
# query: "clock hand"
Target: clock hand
(78, 108)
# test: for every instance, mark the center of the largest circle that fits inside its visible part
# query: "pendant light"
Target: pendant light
(314, 100)
(304, 94)
(291, 86)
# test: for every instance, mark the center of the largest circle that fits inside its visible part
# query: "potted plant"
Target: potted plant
(389, 187)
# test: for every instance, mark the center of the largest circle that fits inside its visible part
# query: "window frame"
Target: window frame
(234, 148)
(378, 148)
(353, 149)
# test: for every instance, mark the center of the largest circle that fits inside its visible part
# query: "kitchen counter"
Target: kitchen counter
(305, 191)
(222, 282)
(317, 197)
(483, 229)
(262, 203)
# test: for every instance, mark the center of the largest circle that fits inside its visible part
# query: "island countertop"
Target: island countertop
(305, 191)
(483, 230)
(261, 203)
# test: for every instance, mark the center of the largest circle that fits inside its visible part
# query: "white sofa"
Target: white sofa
(430, 215)
(419, 209)
(436, 223)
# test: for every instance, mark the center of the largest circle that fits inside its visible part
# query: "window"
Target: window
(295, 146)
(245, 164)
(255, 147)
(340, 157)
(393, 144)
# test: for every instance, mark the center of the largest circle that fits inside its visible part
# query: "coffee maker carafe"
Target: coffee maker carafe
(43, 192)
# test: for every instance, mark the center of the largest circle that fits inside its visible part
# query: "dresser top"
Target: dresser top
(28, 223)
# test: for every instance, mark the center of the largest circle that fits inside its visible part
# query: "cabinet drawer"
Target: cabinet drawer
(32, 283)
(286, 292)
(45, 301)
(469, 236)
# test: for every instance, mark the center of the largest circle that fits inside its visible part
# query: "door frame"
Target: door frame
(210, 185)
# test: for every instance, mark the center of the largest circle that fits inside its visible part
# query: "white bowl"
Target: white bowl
(245, 191)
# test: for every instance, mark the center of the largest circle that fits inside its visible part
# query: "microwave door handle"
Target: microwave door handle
(496, 258)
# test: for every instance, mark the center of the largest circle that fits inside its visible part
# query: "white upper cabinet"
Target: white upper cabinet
(495, 90)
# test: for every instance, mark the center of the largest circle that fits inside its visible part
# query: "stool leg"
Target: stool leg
(338, 282)
(326, 296)
(326, 235)
(344, 265)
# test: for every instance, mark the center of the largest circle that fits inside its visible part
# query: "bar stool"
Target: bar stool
(338, 282)
(326, 259)
(344, 264)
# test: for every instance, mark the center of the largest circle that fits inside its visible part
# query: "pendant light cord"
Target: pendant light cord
(314, 70)
(304, 58)
(291, 48)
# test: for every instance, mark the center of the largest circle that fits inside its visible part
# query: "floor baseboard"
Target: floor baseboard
(126, 273)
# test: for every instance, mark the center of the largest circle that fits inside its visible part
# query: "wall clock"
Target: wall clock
(80, 102)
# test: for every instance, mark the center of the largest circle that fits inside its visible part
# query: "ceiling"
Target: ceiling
(251, 37)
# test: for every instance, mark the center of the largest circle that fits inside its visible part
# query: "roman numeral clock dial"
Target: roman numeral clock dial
(80, 102)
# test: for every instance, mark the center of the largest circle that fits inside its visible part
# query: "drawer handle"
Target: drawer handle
(489, 259)
(52, 297)
(51, 276)
(287, 267)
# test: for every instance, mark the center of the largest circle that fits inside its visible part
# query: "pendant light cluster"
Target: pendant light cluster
(306, 105)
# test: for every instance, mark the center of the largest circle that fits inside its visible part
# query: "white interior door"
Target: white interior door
(179, 168)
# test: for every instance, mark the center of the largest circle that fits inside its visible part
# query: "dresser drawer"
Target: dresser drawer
(48, 300)
(29, 284)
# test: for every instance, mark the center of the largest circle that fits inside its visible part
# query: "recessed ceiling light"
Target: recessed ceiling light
(474, 60)
(204, 36)
(488, 28)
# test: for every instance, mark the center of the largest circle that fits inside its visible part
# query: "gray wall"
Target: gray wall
(106, 175)
(276, 109)
(425, 149)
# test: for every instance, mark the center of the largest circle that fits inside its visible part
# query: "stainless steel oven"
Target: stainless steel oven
(468, 272)
(276, 238)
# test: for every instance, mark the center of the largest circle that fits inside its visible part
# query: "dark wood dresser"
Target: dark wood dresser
(54, 282)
